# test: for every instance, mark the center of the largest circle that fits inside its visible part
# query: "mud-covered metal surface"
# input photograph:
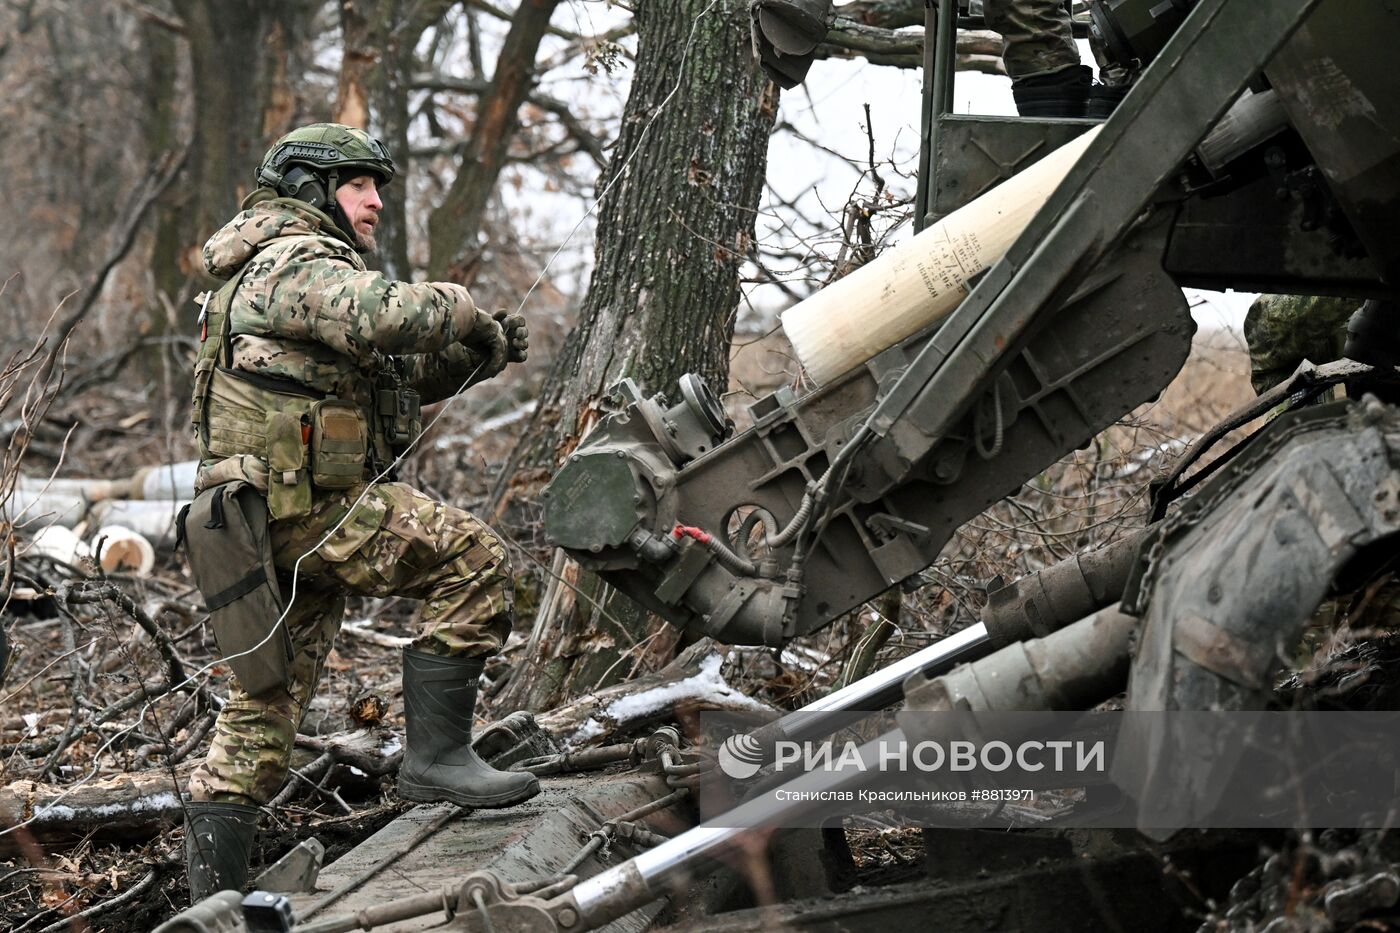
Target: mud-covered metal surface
(532, 841)
(978, 880)
(1238, 570)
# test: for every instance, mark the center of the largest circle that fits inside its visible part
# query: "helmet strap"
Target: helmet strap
(337, 214)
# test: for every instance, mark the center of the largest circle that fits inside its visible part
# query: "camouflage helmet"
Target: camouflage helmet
(326, 153)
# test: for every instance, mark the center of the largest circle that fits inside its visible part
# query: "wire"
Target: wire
(447, 404)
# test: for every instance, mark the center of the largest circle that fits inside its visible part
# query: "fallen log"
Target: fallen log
(164, 482)
(141, 802)
(361, 629)
(153, 520)
(31, 510)
(146, 501)
(373, 751)
(144, 802)
(693, 680)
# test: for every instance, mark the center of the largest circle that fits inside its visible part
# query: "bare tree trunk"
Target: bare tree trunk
(238, 62)
(378, 61)
(452, 228)
(163, 99)
(369, 95)
(676, 221)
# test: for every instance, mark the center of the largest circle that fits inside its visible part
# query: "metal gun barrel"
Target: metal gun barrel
(878, 690)
(1036, 605)
(633, 883)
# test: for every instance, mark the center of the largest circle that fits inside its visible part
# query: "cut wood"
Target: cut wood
(374, 751)
(153, 520)
(167, 481)
(362, 631)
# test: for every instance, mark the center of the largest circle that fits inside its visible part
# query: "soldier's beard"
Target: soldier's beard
(366, 243)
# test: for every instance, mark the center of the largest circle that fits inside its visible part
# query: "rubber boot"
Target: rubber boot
(1063, 93)
(439, 763)
(1104, 99)
(218, 841)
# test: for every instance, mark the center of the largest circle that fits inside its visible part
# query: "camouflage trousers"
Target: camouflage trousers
(1037, 33)
(396, 541)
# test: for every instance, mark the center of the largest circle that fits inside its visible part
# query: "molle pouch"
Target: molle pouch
(288, 480)
(402, 413)
(199, 399)
(339, 437)
(230, 555)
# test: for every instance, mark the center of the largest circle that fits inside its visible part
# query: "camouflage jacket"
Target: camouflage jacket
(308, 310)
(1284, 330)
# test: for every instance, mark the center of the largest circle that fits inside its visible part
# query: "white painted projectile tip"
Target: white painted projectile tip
(921, 280)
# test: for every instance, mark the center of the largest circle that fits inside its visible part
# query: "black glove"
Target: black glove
(488, 339)
(517, 333)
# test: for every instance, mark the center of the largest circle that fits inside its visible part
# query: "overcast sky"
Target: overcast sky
(817, 173)
(829, 108)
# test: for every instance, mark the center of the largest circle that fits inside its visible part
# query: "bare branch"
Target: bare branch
(171, 167)
(170, 23)
(978, 50)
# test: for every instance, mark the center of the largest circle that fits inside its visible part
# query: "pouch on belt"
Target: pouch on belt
(339, 439)
(230, 554)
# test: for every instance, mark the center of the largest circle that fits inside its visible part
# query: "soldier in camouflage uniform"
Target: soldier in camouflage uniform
(1040, 55)
(1284, 330)
(1047, 79)
(306, 321)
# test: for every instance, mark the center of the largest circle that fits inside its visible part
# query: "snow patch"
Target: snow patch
(705, 684)
(590, 729)
(155, 803)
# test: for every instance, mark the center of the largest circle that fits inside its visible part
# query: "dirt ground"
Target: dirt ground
(115, 678)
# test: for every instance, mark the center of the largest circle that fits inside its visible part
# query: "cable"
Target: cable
(447, 404)
(998, 427)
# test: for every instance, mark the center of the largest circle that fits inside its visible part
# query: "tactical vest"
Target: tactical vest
(248, 422)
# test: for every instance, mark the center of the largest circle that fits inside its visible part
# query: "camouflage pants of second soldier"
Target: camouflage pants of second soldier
(395, 542)
(1038, 36)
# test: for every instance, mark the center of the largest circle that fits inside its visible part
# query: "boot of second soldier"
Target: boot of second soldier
(439, 763)
(1063, 93)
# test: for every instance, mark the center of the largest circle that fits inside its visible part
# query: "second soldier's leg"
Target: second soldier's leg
(1047, 78)
(1284, 330)
(251, 749)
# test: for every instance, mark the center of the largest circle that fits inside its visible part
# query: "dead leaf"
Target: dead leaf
(368, 709)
